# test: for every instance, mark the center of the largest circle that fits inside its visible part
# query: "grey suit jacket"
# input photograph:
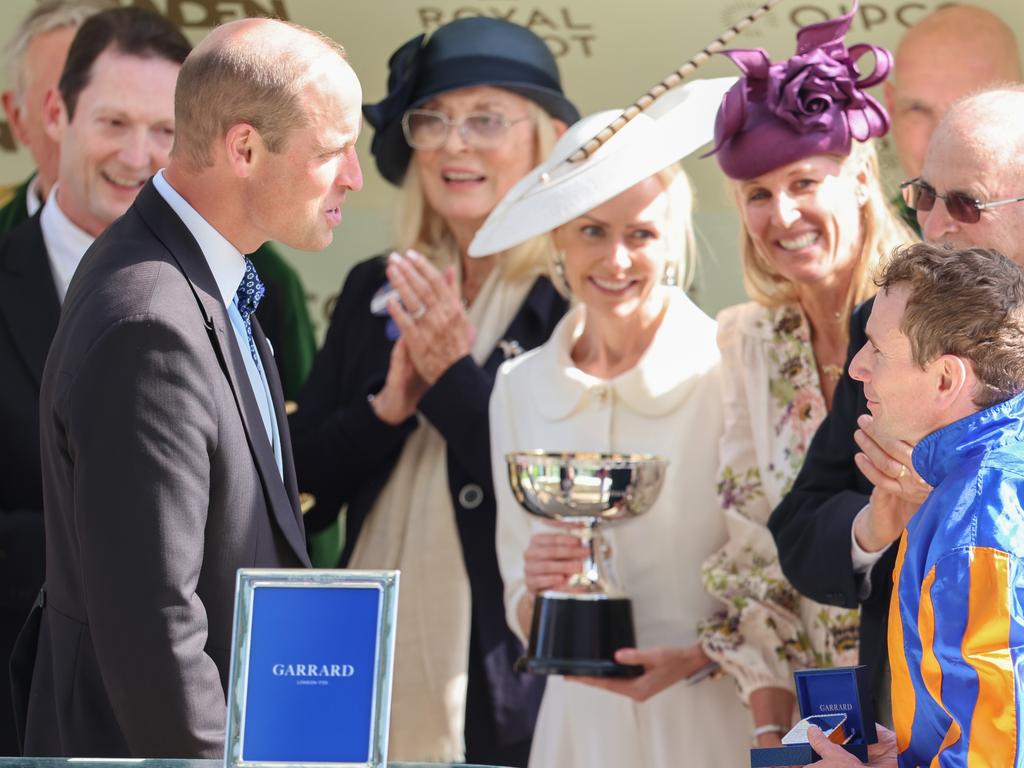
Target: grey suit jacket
(158, 483)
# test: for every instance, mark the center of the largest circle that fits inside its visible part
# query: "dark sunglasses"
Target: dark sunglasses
(919, 195)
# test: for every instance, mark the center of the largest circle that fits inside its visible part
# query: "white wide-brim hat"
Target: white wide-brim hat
(556, 191)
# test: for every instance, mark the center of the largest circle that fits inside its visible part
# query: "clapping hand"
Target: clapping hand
(430, 315)
(402, 389)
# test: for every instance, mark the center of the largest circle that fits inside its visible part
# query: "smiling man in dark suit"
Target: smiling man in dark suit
(166, 457)
(121, 72)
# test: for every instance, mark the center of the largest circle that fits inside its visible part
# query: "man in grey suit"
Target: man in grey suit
(166, 457)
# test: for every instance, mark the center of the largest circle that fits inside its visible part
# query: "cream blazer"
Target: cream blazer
(669, 404)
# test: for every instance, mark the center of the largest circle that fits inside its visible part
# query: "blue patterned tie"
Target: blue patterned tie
(247, 297)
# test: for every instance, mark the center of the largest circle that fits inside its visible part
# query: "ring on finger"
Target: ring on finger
(421, 310)
(902, 472)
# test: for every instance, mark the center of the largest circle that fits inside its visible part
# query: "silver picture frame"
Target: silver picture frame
(251, 579)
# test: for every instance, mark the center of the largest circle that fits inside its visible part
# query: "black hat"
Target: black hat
(461, 54)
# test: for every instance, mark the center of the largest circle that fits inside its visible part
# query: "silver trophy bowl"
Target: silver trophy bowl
(590, 490)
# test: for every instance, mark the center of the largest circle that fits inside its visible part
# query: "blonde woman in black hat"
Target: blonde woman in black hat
(393, 422)
(633, 368)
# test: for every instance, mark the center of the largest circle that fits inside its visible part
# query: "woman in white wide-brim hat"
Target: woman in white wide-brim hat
(633, 368)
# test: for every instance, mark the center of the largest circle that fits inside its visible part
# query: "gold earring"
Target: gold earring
(559, 263)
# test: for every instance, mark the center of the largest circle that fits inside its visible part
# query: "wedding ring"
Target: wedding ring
(903, 471)
(421, 310)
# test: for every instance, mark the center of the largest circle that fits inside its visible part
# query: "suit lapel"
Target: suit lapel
(277, 395)
(175, 236)
(28, 296)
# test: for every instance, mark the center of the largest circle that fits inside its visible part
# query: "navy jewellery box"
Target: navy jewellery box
(837, 700)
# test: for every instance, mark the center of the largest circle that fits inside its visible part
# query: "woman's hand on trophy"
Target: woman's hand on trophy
(430, 315)
(402, 389)
(664, 666)
(550, 559)
(548, 562)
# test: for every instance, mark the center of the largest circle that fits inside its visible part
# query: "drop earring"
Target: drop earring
(671, 274)
(559, 269)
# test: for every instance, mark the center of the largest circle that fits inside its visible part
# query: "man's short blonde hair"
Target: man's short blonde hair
(222, 86)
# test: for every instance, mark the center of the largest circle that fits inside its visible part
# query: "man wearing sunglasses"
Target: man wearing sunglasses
(972, 183)
(857, 489)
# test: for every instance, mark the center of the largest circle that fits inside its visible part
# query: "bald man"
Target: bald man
(950, 53)
(977, 150)
(165, 450)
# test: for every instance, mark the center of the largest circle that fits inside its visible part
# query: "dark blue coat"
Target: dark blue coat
(812, 524)
(345, 455)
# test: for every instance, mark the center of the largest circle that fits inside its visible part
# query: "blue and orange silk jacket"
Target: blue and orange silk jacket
(958, 643)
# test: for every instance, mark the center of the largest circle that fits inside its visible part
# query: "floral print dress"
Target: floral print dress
(773, 406)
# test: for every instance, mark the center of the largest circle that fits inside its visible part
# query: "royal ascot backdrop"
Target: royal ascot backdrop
(609, 51)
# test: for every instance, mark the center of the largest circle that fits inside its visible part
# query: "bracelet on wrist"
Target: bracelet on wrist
(761, 730)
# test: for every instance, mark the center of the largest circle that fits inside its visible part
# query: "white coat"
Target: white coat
(669, 404)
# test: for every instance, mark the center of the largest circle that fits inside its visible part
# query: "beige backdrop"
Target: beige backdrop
(610, 51)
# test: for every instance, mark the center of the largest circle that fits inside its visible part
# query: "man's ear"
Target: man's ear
(954, 377)
(13, 111)
(890, 96)
(244, 148)
(55, 116)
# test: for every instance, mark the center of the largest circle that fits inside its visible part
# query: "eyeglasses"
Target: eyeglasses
(919, 195)
(427, 129)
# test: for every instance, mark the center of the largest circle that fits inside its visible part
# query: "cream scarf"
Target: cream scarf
(412, 528)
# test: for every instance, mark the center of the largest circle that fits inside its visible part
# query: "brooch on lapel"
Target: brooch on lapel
(379, 308)
(510, 348)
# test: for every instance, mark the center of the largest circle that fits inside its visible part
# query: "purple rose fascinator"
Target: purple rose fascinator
(813, 103)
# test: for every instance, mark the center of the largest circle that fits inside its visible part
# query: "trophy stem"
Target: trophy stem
(594, 576)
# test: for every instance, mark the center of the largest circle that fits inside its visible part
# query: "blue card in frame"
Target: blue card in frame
(837, 700)
(311, 668)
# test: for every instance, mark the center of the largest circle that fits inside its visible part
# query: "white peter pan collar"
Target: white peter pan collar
(683, 348)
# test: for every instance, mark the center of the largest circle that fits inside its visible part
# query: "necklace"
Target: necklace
(832, 371)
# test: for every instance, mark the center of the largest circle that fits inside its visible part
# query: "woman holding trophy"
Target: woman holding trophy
(633, 368)
(794, 138)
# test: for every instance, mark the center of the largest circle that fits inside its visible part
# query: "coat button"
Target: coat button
(471, 496)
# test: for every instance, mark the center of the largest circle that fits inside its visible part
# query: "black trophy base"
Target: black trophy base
(579, 637)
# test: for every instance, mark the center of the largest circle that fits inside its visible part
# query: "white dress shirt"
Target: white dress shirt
(228, 267)
(66, 244)
(864, 561)
(33, 200)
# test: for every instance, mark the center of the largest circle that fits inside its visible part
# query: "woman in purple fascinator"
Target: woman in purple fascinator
(794, 137)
